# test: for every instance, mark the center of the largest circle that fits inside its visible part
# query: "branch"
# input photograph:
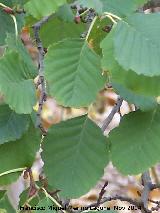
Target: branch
(36, 28)
(148, 187)
(102, 192)
(147, 183)
(53, 200)
(115, 109)
(32, 188)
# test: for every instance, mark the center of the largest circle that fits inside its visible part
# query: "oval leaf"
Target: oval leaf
(135, 143)
(137, 44)
(12, 125)
(42, 8)
(78, 149)
(18, 154)
(16, 84)
(141, 89)
(73, 73)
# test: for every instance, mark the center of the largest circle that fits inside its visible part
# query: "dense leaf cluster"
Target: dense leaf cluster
(121, 47)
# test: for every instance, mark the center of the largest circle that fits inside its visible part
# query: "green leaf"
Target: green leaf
(6, 22)
(43, 8)
(16, 84)
(117, 7)
(2, 193)
(95, 4)
(135, 143)
(78, 149)
(65, 13)
(6, 25)
(137, 44)
(121, 7)
(5, 206)
(17, 46)
(97, 34)
(143, 102)
(138, 84)
(73, 70)
(18, 154)
(32, 202)
(61, 31)
(12, 3)
(46, 203)
(12, 125)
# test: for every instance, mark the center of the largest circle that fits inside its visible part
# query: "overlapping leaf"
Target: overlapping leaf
(65, 13)
(78, 149)
(16, 84)
(137, 44)
(95, 4)
(143, 102)
(117, 7)
(135, 143)
(47, 204)
(12, 125)
(141, 89)
(61, 30)
(97, 34)
(5, 205)
(15, 44)
(18, 154)
(122, 7)
(43, 8)
(7, 23)
(73, 73)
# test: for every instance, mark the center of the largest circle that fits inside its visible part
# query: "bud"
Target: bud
(8, 10)
(77, 19)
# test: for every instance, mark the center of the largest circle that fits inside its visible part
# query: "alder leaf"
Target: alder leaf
(65, 13)
(145, 103)
(16, 45)
(47, 204)
(137, 44)
(16, 84)
(18, 154)
(78, 149)
(122, 7)
(12, 125)
(95, 4)
(73, 73)
(5, 205)
(135, 143)
(42, 8)
(142, 90)
(7, 24)
(117, 7)
(62, 30)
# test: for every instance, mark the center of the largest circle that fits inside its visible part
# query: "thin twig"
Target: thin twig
(102, 192)
(32, 188)
(115, 109)
(155, 186)
(53, 200)
(147, 183)
(36, 28)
